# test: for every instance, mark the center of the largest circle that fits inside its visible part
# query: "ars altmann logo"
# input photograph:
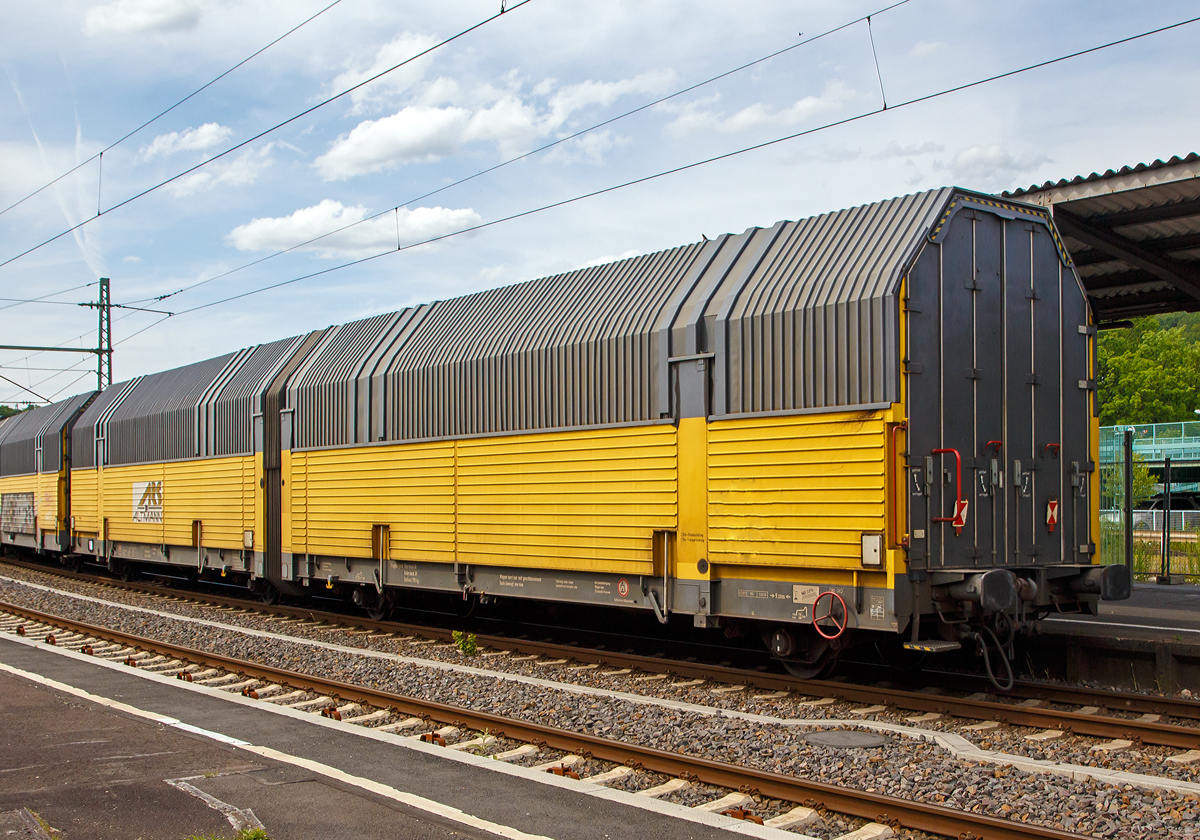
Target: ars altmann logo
(147, 501)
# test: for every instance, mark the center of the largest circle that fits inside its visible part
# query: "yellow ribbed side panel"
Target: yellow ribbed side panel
(27, 484)
(337, 495)
(47, 501)
(217, 491)
(116, 504)
(292, 524)
(85, 500)
(18, 483)
(587, 500)
(796, 491)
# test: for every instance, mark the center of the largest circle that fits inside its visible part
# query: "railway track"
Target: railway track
(335, 696)
(1086, 719)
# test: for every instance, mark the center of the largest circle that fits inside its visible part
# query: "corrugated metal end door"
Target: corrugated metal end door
(272, 455)
(993, 361)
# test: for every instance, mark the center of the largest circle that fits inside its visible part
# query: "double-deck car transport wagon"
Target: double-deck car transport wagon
(880, 419)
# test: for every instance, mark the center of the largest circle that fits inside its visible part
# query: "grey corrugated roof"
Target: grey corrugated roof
(198, 410)
(1134, 234)
(802, 315)
(799, 316)
(19, 436)
(1136, 169)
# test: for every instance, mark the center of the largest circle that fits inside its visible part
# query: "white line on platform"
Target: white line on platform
(958, 746)
(238, 818)
(419, 802)
(1102, 623)
(625, 798)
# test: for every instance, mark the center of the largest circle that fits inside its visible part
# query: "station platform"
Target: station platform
(1151, 608)
(105, 754)
(1151, 640)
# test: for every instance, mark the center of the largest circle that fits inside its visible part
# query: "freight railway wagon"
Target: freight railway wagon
(880, 419)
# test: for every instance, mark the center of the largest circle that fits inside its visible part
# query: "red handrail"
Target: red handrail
(960, 504)
(901, 539)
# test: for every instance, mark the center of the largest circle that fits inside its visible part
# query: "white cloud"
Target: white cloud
(573, 98)
(695, 118)
(369, 237)
(131, 259)
(991, 167)
(189, 140)
(133, 17)
(924, 49)
(235, 172)
(402, 47)
(609, 259)
(416, 133)
(427, 132)
(590, 148)
(894, 149)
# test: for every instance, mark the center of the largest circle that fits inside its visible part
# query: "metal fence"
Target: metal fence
(1151, 442)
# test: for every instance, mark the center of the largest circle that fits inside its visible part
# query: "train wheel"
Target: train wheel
(268, 594)
(811, 671)
(803, 652)
(129, 571)
(380, 611)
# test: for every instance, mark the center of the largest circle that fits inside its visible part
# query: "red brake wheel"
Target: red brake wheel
(840, 625)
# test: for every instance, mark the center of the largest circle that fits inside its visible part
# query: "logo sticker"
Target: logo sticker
(147, 501)
(802, 594)
(877, 608)
(622, 587)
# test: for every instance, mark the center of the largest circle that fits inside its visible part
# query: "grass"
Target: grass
(46, 827)
(465, 642)
(244, 834)
(1147, 554)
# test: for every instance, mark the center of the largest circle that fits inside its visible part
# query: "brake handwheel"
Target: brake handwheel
(840, 625)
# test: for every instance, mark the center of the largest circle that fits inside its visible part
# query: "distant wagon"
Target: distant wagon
(879, 419)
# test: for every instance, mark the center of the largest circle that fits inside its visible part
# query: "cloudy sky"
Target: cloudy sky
(384, 160)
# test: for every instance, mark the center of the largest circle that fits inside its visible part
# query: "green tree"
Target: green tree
(9, 411)
(1150, 372)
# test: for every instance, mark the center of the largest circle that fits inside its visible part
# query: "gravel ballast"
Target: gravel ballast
(913, 769)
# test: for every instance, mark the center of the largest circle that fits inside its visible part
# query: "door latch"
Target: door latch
(1022, 480)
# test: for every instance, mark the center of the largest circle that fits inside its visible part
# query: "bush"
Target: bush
(465, 642)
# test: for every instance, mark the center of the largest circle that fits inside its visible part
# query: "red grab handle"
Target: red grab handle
(959, 519)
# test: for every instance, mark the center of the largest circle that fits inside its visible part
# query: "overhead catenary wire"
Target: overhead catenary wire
(696, 164)
(70, 384)
(41, 298)
(629, 113)
(30, 390)
(72, 368)
(80, 337)
(875, 55)
(100, 155)
(262, 134)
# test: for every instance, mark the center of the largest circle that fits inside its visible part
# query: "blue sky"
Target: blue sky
(79, 75)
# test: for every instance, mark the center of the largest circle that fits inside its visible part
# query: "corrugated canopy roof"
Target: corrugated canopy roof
(1134, 234)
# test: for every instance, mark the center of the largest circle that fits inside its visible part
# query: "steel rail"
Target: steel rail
(1098, 726)
(917, 816)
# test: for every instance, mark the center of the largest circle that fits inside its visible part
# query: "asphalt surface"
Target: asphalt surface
(100, 773)
(1153, 611)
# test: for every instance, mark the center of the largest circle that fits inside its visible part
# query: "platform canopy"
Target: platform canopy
(1133, 233)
